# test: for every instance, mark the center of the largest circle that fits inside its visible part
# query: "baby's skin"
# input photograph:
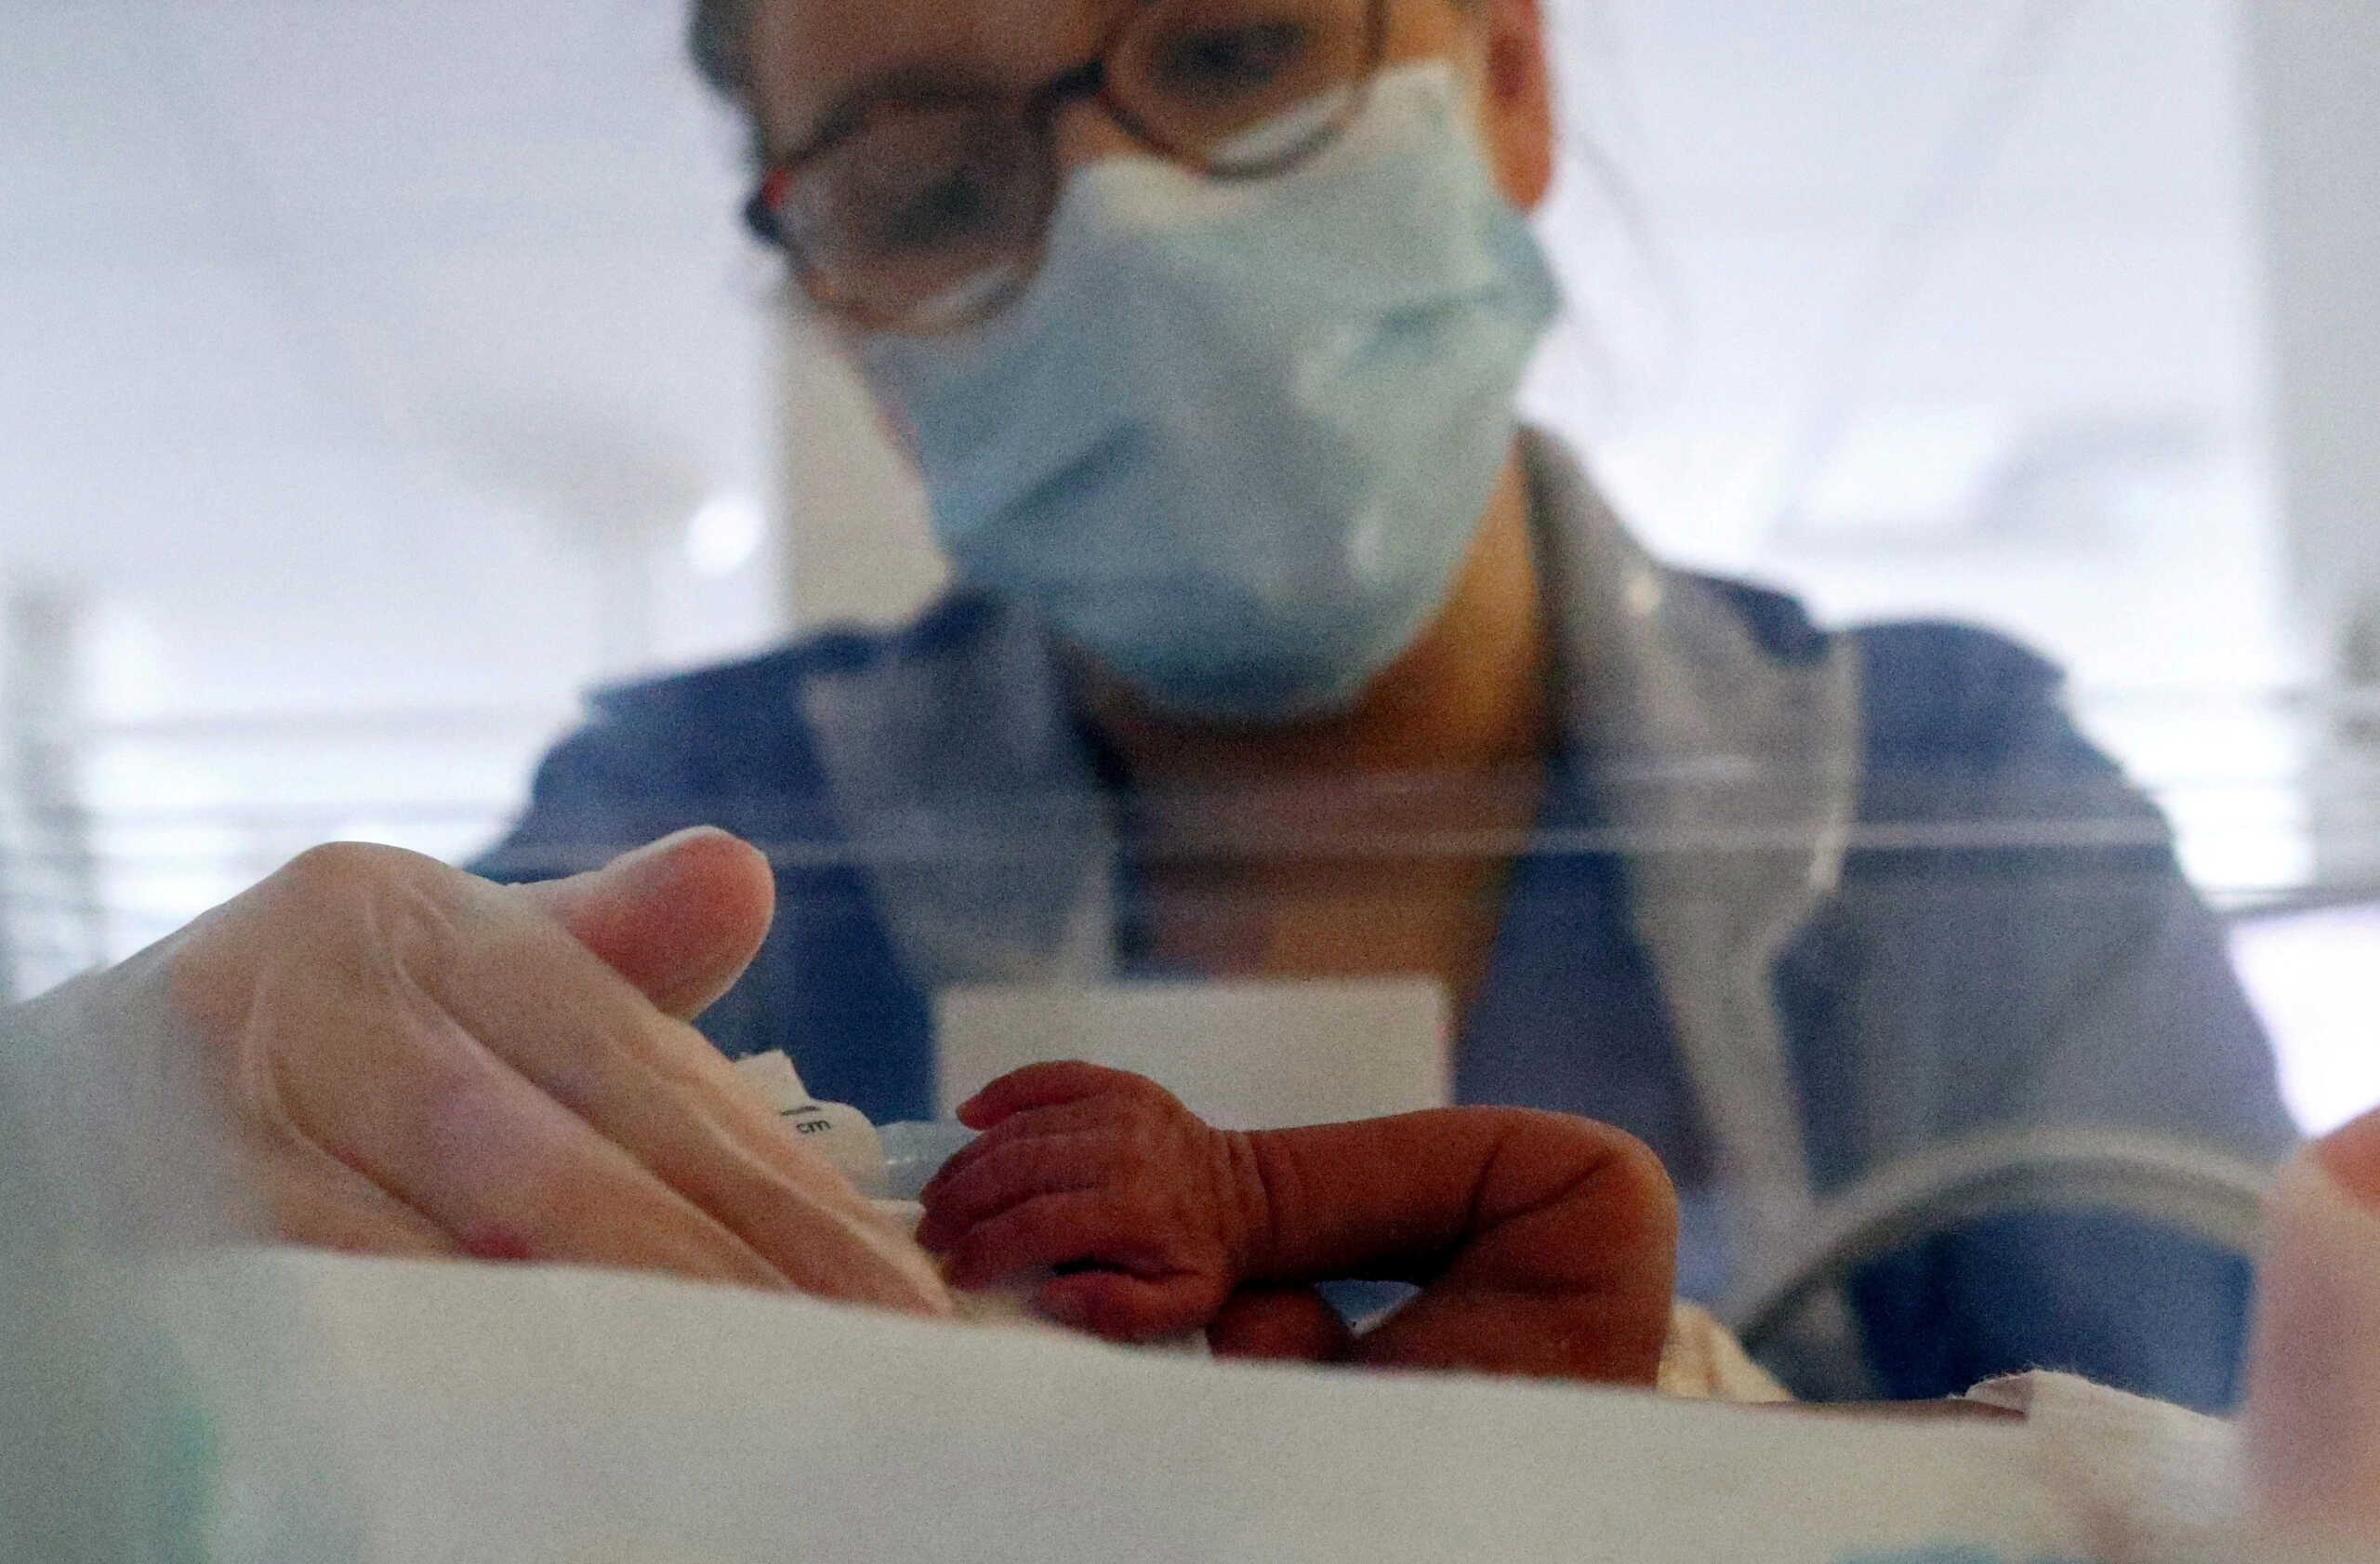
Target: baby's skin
(1544, 1244)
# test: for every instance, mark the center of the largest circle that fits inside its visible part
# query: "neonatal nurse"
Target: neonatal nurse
(1275, 637)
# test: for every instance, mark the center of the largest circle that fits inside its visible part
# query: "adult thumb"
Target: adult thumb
(681, 919)
(2312, 1422)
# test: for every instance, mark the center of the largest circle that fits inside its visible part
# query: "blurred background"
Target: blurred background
(375, 377)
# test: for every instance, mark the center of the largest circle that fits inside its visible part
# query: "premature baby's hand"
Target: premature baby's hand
(1151, 1215)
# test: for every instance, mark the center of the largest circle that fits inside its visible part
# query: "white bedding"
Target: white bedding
(515, 1415)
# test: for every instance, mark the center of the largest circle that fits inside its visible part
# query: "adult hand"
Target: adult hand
(414, 1060)
(2312, 1418)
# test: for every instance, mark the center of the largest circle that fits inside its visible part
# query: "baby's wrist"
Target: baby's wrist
(1277, 1206)
(1245, 1203)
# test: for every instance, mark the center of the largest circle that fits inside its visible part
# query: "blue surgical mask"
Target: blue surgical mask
(1236, 437)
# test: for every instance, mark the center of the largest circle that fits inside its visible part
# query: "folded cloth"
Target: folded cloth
(2148, 1482)
(1702, 1361)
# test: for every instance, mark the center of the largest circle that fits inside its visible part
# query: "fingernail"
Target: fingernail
(637, 858)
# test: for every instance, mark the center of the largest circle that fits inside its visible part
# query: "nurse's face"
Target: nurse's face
(821, 68)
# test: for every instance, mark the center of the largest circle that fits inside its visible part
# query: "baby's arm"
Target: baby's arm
(1543, 1243)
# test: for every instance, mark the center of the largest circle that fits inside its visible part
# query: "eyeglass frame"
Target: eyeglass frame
(1036, 110)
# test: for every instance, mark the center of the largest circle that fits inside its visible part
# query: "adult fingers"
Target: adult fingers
(2352, 1155)
(317, 1200)
(681, 919)
(414, 1105)
(657, 1089)
(454, 1042)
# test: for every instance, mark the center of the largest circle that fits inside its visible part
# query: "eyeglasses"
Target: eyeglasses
(924, 205)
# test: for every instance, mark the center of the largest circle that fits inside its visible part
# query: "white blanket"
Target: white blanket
(511, 1415)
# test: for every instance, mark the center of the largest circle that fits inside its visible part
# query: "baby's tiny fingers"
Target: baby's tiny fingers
(1083, 1226)
(1007, 1174)
(1067, 1118)
(1123, 1307)
(1043, 1086)
(1284, 1323)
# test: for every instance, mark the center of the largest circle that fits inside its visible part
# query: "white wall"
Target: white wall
(858, 546)
(2318, 70)
(1950, 307)
(2318, 73)
(362, 367)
